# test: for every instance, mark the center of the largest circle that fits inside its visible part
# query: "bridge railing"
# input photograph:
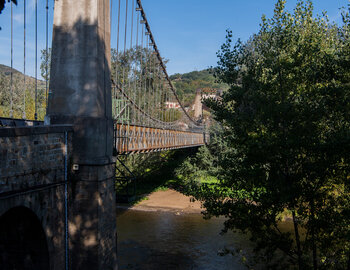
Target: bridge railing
(141, 139)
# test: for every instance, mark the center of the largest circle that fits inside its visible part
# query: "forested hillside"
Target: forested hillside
(186, 84)
(23, 101)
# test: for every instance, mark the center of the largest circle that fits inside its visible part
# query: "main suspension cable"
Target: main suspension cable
(144, 90)
(162, 63)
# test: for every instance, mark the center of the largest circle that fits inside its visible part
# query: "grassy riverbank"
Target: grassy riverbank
(153, 172)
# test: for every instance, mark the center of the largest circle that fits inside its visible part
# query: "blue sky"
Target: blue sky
(18, 18)
(190, 32)
(187, 32)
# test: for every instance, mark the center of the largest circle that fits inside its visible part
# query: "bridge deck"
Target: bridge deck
(130, 139)
(138, 139)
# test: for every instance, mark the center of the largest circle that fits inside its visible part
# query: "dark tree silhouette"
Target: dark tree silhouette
(2, 4)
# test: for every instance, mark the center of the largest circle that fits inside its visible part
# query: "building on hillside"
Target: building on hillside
(172, 105)
(206, 96)
(202, 94)
(211, 93)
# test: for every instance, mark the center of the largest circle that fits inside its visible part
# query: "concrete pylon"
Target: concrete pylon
(197, 105)
(80, 88)
(80, 94)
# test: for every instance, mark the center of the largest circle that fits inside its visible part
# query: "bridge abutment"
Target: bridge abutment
(32, 186)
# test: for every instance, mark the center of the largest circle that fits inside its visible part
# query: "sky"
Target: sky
(190, 32)
(187, 32)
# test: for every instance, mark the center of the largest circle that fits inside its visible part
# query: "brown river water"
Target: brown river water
(169, 240)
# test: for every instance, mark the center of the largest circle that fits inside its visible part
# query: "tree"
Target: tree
(286, 128)
(45, 64)
(138, 73)
(188, 83)
(2, 4)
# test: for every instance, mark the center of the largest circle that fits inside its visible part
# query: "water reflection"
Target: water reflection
(166, 240)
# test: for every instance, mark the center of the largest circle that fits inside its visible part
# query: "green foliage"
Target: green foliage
(170, 114)
(285, 140)
(23, 95)
(198, 168)
(23, 91)
(154, 171)
(45, 64)
(138, 73)
(186, 84)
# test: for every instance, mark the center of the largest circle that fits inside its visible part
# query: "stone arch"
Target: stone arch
(23, 242)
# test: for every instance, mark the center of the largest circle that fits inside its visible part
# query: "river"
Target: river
(173, 240)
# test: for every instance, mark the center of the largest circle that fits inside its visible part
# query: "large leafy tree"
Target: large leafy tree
(286, 127)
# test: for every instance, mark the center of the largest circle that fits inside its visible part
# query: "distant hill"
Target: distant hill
(186, 84)
(18, 94)
(5, 70)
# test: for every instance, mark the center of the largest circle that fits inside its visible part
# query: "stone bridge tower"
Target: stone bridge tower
(197, 105)
(80, 95)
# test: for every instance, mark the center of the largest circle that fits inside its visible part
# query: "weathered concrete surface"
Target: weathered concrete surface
(80, 91)
(32, 167)
(92, 228)
(81, 96)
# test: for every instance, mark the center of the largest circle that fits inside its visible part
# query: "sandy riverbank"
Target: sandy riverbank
(169, 200)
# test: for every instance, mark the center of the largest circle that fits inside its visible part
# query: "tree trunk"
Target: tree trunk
(314, 248)
(297, 239)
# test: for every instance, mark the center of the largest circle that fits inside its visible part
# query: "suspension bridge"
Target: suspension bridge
(141, 91)
(103, 91)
